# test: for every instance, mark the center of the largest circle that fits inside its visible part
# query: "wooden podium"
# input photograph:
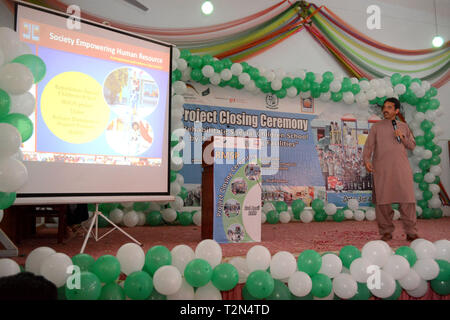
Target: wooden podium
(207, 189)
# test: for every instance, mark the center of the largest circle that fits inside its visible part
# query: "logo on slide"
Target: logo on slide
(31, 31)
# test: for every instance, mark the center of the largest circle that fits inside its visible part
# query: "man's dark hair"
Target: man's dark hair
(395, 101)
(27, 286)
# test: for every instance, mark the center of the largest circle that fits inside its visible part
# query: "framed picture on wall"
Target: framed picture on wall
(307, 105)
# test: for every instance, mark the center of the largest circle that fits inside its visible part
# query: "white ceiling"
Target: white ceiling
(187, 13)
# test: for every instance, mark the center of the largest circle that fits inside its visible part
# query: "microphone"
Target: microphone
(394, 124)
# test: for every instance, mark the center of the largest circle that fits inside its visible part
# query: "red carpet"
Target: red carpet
(294, 237)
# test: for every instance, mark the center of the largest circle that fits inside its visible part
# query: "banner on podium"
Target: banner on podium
(237, 190)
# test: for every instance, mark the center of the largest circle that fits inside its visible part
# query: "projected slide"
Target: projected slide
(104, 99)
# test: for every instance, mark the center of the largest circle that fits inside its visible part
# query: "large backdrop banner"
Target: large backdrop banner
(307, 150)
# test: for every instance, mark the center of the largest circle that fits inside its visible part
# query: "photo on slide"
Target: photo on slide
(131, 92)
(129, 138)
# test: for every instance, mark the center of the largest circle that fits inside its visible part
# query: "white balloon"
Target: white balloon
(1, 215)
(263, 218)
(396, 215)
(364, 85)
(330, 209)
(181, 256)
(10, 140)
(258, 258)
(215, 79)
(414, 243)
(276, 84)
(427, 268)
(179, 87)
(13, 175)
(282, 265)
(385, 288)
(427, 154)
(425, 249)
(186, 292)
(268, 206)
(226, 74)
(241, 266)
(175, 188)
(400, 89)
(177, 204)
(8, 267)
(435, 202)
(434, 188)
(236, 69)
(285, 217)
(10, 44)
(208, 71)
(353, 204)
(359, 215)
(442, 249)
(244, 78)
(358, 269)
(376, 252)
(210, 251)
(300, 284)
(208, 292)
(169, 215)
(410, 281)
(420, 291)
(344, 286)
(167, 280)
(142, 218)
(35, 259)
(371, 94)
(325, 96)
(292, 92)
(23, 104)
(397, 266)
(331, 265)
(131, 258)
(348, 214)
(16, 78)
(371, 214)
(335, 86)
(436, 170)
(381, 92)
(54, 268)
(306, 216)
(197, 218)
(418, 151)
(176, 53)
(348, 97)
(116, 216)
(131, 219)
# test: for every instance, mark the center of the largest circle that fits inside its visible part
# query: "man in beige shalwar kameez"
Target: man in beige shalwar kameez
(387, 159)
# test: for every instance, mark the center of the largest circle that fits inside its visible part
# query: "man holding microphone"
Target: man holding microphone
(386, 157)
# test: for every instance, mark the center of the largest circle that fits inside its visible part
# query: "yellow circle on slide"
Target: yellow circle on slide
(73, 107)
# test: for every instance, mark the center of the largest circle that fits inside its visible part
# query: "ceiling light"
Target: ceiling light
(207, 7)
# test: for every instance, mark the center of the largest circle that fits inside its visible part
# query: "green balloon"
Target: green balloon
(84, 261)
(154, 218)
(297, 207)
(444, 270)
(348, 254)
(138, 285)
(225, 277)
(176, 75)
(440, 287)
(7, 199)
(280, 291)
(218, 66)
(436, 213)
(437, 150)
(429, 135)
(260, 284)
(273, 216)
(173, 175)
(298, 83)
(107, 207)
(198, 272)
(90, 288)
(280, 206)
(185, 54)
(424, 164)
(157, 257)
(427, 213)
(434, 104)
(427, 195)
(196, 62)
(5, 103)
(185, 218)
(418, 177)
(309, 261)
(62, 293)
(196, 74)
(324, 87)
(422, 203)
(306, 86)
(435, 160)
(355, 88)
(141, 206)
(246, 295)
(281, 93)
(420, 140)
(406, 80)
(106, 268)
(339, 216)
(363, 292)
(336, 96)
(320, 216)
(310, 76)
(112, 291)
(21, 122)
(328, 76)
(207, 59)
(183, 193)
(34, 63)
(317, 205)
(260, 82)
(321, 285)
(396, 78)
(426, 125)
(287, 82)
(155, 295)
(102, 223)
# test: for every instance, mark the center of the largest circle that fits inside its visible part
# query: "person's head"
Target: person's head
(135, 126)
(391, 108)
(27, 286)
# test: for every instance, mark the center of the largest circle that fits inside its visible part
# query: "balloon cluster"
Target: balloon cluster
(185, 274)
(19, 71)
(327, 86)
(132, 214)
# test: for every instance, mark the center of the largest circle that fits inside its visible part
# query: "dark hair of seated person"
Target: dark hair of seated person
(27, 286)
